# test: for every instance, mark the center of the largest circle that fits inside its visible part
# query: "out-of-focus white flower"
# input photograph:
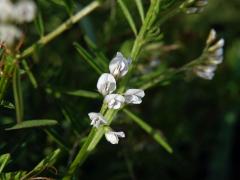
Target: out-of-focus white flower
(192, 7)
(106, 84)
(97, 119)
(118, 66)
(213, 57)
(9, 34)
(205, 72)
(6, 10)
(113, 137)
(24, 11)
(114, 101)
(134, 96)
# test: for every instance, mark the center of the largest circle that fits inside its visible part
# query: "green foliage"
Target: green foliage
(33, 124)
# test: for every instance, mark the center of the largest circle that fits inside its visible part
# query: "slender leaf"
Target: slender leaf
(39, 24)
(17, 92)
(4, 159)
(88, 58)
(156, 135)
(102, 60)
(83, 93)
(29, 73)
(128, 16)
(34, 124)
(140, 9)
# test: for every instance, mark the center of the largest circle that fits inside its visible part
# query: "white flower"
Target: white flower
(134, 96)
(113, 137)
(118, 66)
(9, 34)
(114, 101)
(205, 72)
(211, 37)
(6, 9)
(24, 11)
(106, 84)
(196, 7)
(96, 119)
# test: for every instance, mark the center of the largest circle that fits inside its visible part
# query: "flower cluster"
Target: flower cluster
(106, 85)
(212, 57)
(20, 12)
(194, 6)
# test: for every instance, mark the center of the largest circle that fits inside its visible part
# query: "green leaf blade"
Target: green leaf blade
(128, 16)
(140, 9)
(34, 124)
(157, 136)
(88, 58)
(4, 159)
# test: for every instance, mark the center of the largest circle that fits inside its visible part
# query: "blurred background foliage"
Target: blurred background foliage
(199, 118)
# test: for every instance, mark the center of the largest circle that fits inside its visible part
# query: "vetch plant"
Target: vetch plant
(119, 84)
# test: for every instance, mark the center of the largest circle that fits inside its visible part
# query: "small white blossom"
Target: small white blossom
(205, 72)
(24, 11)
(196, 7)
(118, 66)
(106, 84)
(113, 137)
(114, 101)
(6, 9)
(97, 119)
(134, 96)
(9, 34)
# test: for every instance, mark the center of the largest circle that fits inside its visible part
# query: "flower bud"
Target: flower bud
(118, 66)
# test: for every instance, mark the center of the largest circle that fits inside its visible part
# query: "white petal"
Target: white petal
(205, 72)
(118, 66)
(106, 84)
(137, 92)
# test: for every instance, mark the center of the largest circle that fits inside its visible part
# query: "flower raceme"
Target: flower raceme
(106, 85)
(213, 57)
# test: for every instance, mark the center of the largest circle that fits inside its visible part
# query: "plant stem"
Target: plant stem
(59, 30)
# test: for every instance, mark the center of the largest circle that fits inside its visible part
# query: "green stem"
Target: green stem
(62, 28)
